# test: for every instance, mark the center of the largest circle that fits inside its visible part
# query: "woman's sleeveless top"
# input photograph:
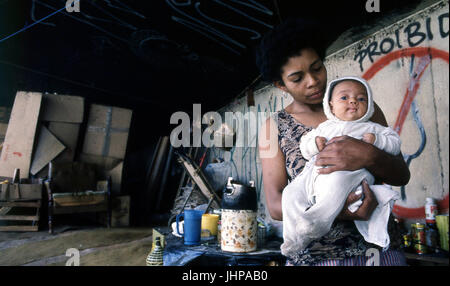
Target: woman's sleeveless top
(343, 240)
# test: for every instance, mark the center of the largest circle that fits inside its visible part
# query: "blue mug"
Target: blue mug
(192, 226)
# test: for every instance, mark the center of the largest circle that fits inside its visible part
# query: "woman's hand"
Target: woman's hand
(365, 210)
(344, 153)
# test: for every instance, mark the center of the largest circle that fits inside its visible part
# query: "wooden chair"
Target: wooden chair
(76, 187)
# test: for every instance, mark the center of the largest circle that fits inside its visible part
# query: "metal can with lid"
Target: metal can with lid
(418, 238)
(431, 210)
(239, 224)
(239, 231)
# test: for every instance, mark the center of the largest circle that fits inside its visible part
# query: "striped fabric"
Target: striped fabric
(387, 258)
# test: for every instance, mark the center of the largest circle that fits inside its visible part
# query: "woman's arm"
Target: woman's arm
(273, 167)
(346, 153)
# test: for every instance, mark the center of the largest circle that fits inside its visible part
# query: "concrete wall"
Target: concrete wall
(406, 63)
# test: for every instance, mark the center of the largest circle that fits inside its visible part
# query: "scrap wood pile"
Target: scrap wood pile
(44, 128)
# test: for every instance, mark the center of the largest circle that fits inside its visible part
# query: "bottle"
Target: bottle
(431, 232)
(155, 257)
(431, 237)
(430, 210)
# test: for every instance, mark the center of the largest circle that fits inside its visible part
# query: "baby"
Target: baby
(311, 202)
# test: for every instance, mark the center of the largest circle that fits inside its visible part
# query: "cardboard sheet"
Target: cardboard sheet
(67, 133)
(48, 147)
(62, 108)
(107, 131)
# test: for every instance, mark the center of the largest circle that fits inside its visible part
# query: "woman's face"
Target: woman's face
(304, 77)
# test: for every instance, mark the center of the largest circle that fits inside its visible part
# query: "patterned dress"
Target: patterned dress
(343, 244)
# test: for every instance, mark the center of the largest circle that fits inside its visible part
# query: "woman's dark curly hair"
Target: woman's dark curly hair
(286, 40)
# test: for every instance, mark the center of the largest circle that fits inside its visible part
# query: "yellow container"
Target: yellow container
(442, 225)
(209, 224)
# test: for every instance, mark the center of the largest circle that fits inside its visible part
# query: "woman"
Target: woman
(291, 56)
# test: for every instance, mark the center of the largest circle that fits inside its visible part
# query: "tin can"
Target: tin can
(261, 236)
(418, 238)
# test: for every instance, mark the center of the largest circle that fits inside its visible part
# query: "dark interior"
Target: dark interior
(155, 57)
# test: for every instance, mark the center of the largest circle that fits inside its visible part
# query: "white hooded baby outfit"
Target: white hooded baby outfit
(311, 202)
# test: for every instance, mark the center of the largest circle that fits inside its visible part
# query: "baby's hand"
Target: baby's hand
(321, 142)
(369, 138)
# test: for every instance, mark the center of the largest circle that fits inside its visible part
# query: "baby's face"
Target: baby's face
(349, 100)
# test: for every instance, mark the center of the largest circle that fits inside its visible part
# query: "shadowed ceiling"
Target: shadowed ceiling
(160, 56)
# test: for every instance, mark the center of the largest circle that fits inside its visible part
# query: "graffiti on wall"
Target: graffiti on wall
(391, 48)
(418, 41)
(415, 34)
(424, 56)
(407, 43)
(420, 59)
(245, 160)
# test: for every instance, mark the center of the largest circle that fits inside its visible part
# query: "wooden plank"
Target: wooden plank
(200, 180)
(19, 217)
(19, 228)
(67, 133)
(22, 192)
(81, 209)
(47, 149)
(21, 204)
(62, 108)
(19, 140)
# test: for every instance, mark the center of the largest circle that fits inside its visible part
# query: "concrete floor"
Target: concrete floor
(97, 246)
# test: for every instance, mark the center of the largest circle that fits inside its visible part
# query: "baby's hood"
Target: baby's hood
(326, 99)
